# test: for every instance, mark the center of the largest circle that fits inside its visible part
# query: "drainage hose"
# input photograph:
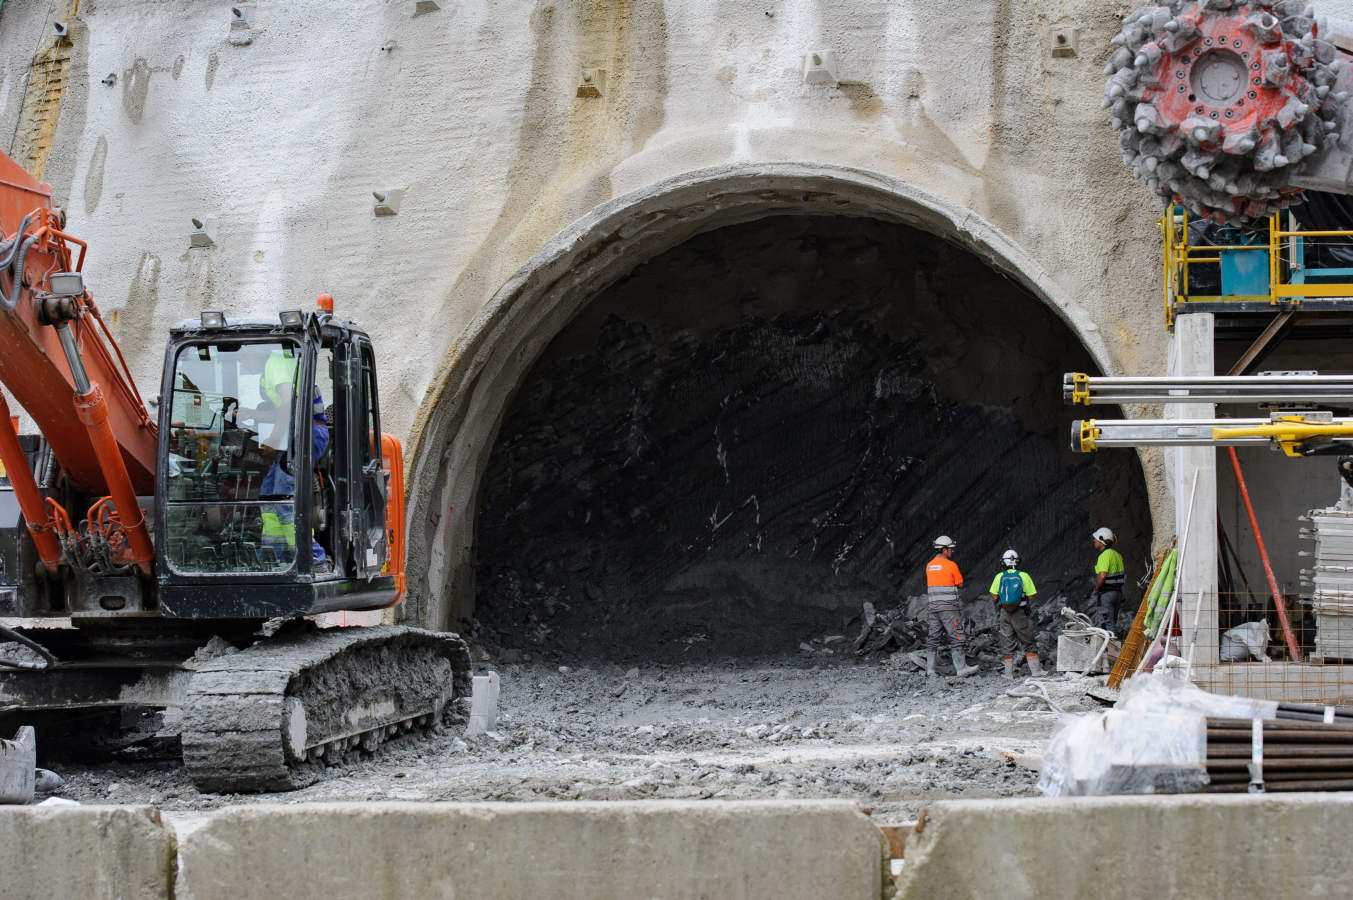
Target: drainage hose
(1035, 690)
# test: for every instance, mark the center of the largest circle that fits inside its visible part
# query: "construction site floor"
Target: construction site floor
(888, 739)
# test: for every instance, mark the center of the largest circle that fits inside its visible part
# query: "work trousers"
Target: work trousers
(1107, 602)
(943, 613)
(1015, 626)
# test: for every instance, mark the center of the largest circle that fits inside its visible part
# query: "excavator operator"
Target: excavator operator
(279, 522)
(277, 386)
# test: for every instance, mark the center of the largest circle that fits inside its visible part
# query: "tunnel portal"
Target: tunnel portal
(735, 447)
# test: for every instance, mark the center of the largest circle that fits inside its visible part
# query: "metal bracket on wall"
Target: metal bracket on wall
(241, 32)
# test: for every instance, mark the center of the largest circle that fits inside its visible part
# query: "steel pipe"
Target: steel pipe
(1079, 388)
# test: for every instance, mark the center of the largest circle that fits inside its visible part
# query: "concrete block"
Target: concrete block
(85, 851)
(241, 33)
(200, 235)
(18, 766)
(1292, 845)
(819, 67)
(589, 851)
(1064, 40)
(592, 83)
(1075, 654)
(483, 704)
(388, 201)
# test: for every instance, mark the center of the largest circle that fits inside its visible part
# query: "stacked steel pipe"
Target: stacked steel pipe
(1306, 748)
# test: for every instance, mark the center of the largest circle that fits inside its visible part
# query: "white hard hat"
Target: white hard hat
(944, 541)
(1010, 558)
(1103, 535)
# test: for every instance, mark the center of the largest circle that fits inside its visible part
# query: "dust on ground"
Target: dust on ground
(888, 739)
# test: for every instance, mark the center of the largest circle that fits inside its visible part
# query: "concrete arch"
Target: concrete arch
(461, 415)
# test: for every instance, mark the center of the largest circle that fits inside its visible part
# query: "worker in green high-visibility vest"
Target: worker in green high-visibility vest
(1110, 578)
(1012, 589)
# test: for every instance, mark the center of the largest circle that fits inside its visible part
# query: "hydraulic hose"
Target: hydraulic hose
(12, 244)
(9, 247)
(17, 268)
(47, 655)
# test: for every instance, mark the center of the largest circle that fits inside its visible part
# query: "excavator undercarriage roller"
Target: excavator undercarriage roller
(270, 718)
(1219, 101)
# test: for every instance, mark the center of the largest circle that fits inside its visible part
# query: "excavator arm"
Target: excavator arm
(58, 360)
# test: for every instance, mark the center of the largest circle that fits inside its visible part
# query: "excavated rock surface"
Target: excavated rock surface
(739, 445)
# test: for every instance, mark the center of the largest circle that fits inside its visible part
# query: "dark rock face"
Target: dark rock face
(733, 449)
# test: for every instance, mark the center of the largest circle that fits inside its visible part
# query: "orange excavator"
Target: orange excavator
(165, 565)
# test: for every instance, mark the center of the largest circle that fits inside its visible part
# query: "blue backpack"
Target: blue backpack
(1011, 588)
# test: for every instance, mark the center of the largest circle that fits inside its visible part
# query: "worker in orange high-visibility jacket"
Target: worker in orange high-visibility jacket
(943, 582)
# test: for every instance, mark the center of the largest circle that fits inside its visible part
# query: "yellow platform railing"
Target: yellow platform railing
(1287, 272)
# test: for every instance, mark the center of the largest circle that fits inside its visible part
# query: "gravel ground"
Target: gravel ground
(886, 738)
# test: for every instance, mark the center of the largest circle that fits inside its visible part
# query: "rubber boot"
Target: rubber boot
(1009, 668)
(961, 667)
(1035, 668)
(930, 662)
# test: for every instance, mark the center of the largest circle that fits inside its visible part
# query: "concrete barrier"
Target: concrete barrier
(1108, 848)
(1290, 845)
(94, 852)
(589, 851)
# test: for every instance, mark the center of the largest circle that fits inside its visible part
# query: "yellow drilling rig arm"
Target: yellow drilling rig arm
(1288, 433)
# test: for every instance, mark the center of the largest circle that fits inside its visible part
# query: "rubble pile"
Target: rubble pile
(896, 631)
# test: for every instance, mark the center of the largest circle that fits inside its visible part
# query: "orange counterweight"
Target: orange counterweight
(392, 460)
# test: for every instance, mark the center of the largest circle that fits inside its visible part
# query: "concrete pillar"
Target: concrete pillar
(1191, 353)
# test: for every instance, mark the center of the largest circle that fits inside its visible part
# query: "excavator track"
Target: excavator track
(273, 716)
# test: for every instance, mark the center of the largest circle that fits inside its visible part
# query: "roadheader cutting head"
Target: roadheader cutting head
(1219, 101)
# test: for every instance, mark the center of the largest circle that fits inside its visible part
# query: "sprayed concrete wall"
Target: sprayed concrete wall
(529, 189)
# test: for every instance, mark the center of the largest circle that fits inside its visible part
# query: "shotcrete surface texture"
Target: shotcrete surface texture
(880, 735)
(500, 154)
(474, 109)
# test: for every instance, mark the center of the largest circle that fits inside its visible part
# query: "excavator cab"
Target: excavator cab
(271, 482)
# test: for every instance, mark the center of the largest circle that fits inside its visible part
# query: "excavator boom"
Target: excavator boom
(33, 366)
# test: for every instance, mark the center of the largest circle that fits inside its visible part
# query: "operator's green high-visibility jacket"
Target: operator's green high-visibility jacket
(279, 372)
(278, 384)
